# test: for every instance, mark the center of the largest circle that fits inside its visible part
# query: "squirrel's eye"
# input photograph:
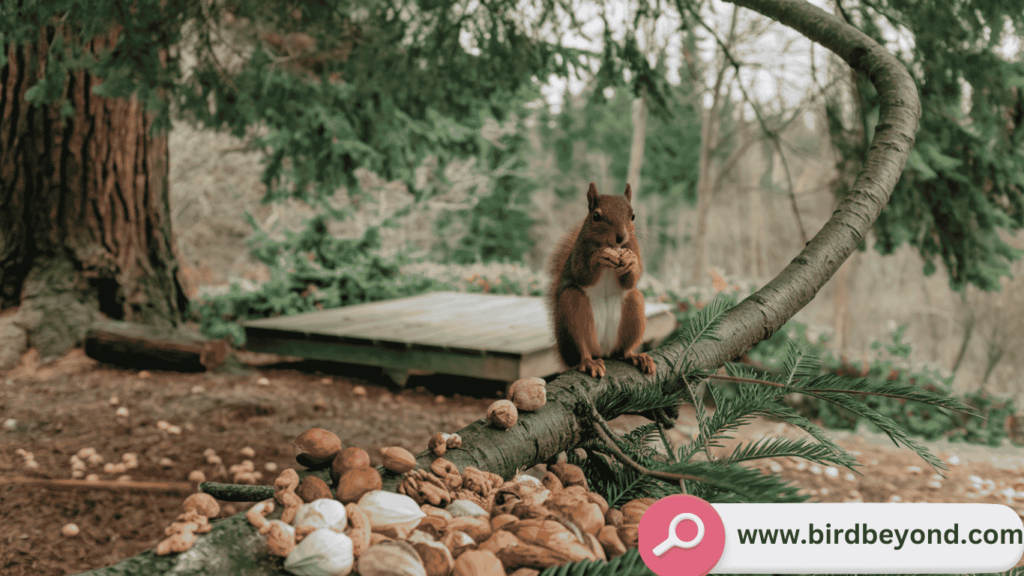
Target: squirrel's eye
(632, 216)
(597, 217)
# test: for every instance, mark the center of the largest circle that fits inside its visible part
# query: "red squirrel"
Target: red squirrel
(596, 309)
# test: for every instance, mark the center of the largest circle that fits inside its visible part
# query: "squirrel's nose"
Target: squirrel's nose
(620, 238)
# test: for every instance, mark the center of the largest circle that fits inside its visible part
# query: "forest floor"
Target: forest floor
(55, 410)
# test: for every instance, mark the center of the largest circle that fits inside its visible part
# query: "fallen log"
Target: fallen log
(150, 347)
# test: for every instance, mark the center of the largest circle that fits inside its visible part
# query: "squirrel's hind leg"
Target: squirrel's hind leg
(577, 340)
(631, 331)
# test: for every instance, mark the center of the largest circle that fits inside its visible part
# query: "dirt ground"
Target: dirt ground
(54, 411)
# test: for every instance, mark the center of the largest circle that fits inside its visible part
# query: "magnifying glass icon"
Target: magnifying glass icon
(673, 541)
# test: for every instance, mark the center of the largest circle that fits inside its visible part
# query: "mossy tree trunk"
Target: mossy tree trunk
(85, 225)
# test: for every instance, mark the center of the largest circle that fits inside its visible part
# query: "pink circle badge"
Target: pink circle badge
(681, 535)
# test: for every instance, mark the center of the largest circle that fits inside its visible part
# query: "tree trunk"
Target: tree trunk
(706, 174)
(636, 149)
(85, 227)
(233, 547)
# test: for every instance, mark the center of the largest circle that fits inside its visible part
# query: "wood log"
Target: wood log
(150, 347)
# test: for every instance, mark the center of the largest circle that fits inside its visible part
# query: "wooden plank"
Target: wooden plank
(657, 315)
(437, 329)
(476, 335)
(359, 314)
(492, 367)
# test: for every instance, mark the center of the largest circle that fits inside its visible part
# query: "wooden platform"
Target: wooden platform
(477, 335)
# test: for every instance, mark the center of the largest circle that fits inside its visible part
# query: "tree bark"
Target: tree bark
(142, 346)
(234, 548)
(85, 228)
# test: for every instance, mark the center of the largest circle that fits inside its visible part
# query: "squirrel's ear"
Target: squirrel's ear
(592, 197)
(629, 193)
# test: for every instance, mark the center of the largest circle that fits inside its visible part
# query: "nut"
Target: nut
(528, 394)
(397, 459)
(359, 531)
(355, 482)
(551, 482)
(633, 510)
(202, 503)
(313, 488)
(258, 513)
(350, 457)
(613, 517)
(569, 474)
(315, 448)
(452, 441)
(447, 471)
(284, 493)
(438, 444)
(425, 488)
(436, 557)
(478, 562)
(390, 558)
(458, 542)
(502, 414)
(610, 542)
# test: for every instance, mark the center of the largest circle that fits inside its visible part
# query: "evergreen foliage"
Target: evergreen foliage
(964, 181)
(726, 480)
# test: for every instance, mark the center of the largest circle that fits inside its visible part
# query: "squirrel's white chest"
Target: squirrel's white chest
(606, 304)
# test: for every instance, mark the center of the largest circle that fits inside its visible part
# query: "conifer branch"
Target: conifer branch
(607, 437)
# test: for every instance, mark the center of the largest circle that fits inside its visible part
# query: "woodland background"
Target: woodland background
(330, 185)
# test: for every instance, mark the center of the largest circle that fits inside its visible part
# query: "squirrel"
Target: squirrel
(596, 310)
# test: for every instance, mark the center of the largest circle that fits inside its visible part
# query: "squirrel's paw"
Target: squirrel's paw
(627, 262)
(609, 258)
(593, 366)
(642, 361)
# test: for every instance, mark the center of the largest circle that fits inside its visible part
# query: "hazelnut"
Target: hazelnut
(502, 414)
(348, 458)
(569, 474)
(613, 517)
(355, 482)
(397, 459)
(312, 489)
(528, 394)
(315, 448)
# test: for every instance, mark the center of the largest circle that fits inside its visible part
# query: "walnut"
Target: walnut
(479, 481)
(502, 414)
(448, 472)
(425, 488)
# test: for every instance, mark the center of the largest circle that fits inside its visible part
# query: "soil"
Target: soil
(54, 411)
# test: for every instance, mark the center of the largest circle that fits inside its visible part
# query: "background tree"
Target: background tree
(88, 92)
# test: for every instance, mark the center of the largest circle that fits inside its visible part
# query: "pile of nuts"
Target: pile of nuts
(442, 521)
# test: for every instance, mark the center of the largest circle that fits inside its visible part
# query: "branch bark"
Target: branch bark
(233, 548)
